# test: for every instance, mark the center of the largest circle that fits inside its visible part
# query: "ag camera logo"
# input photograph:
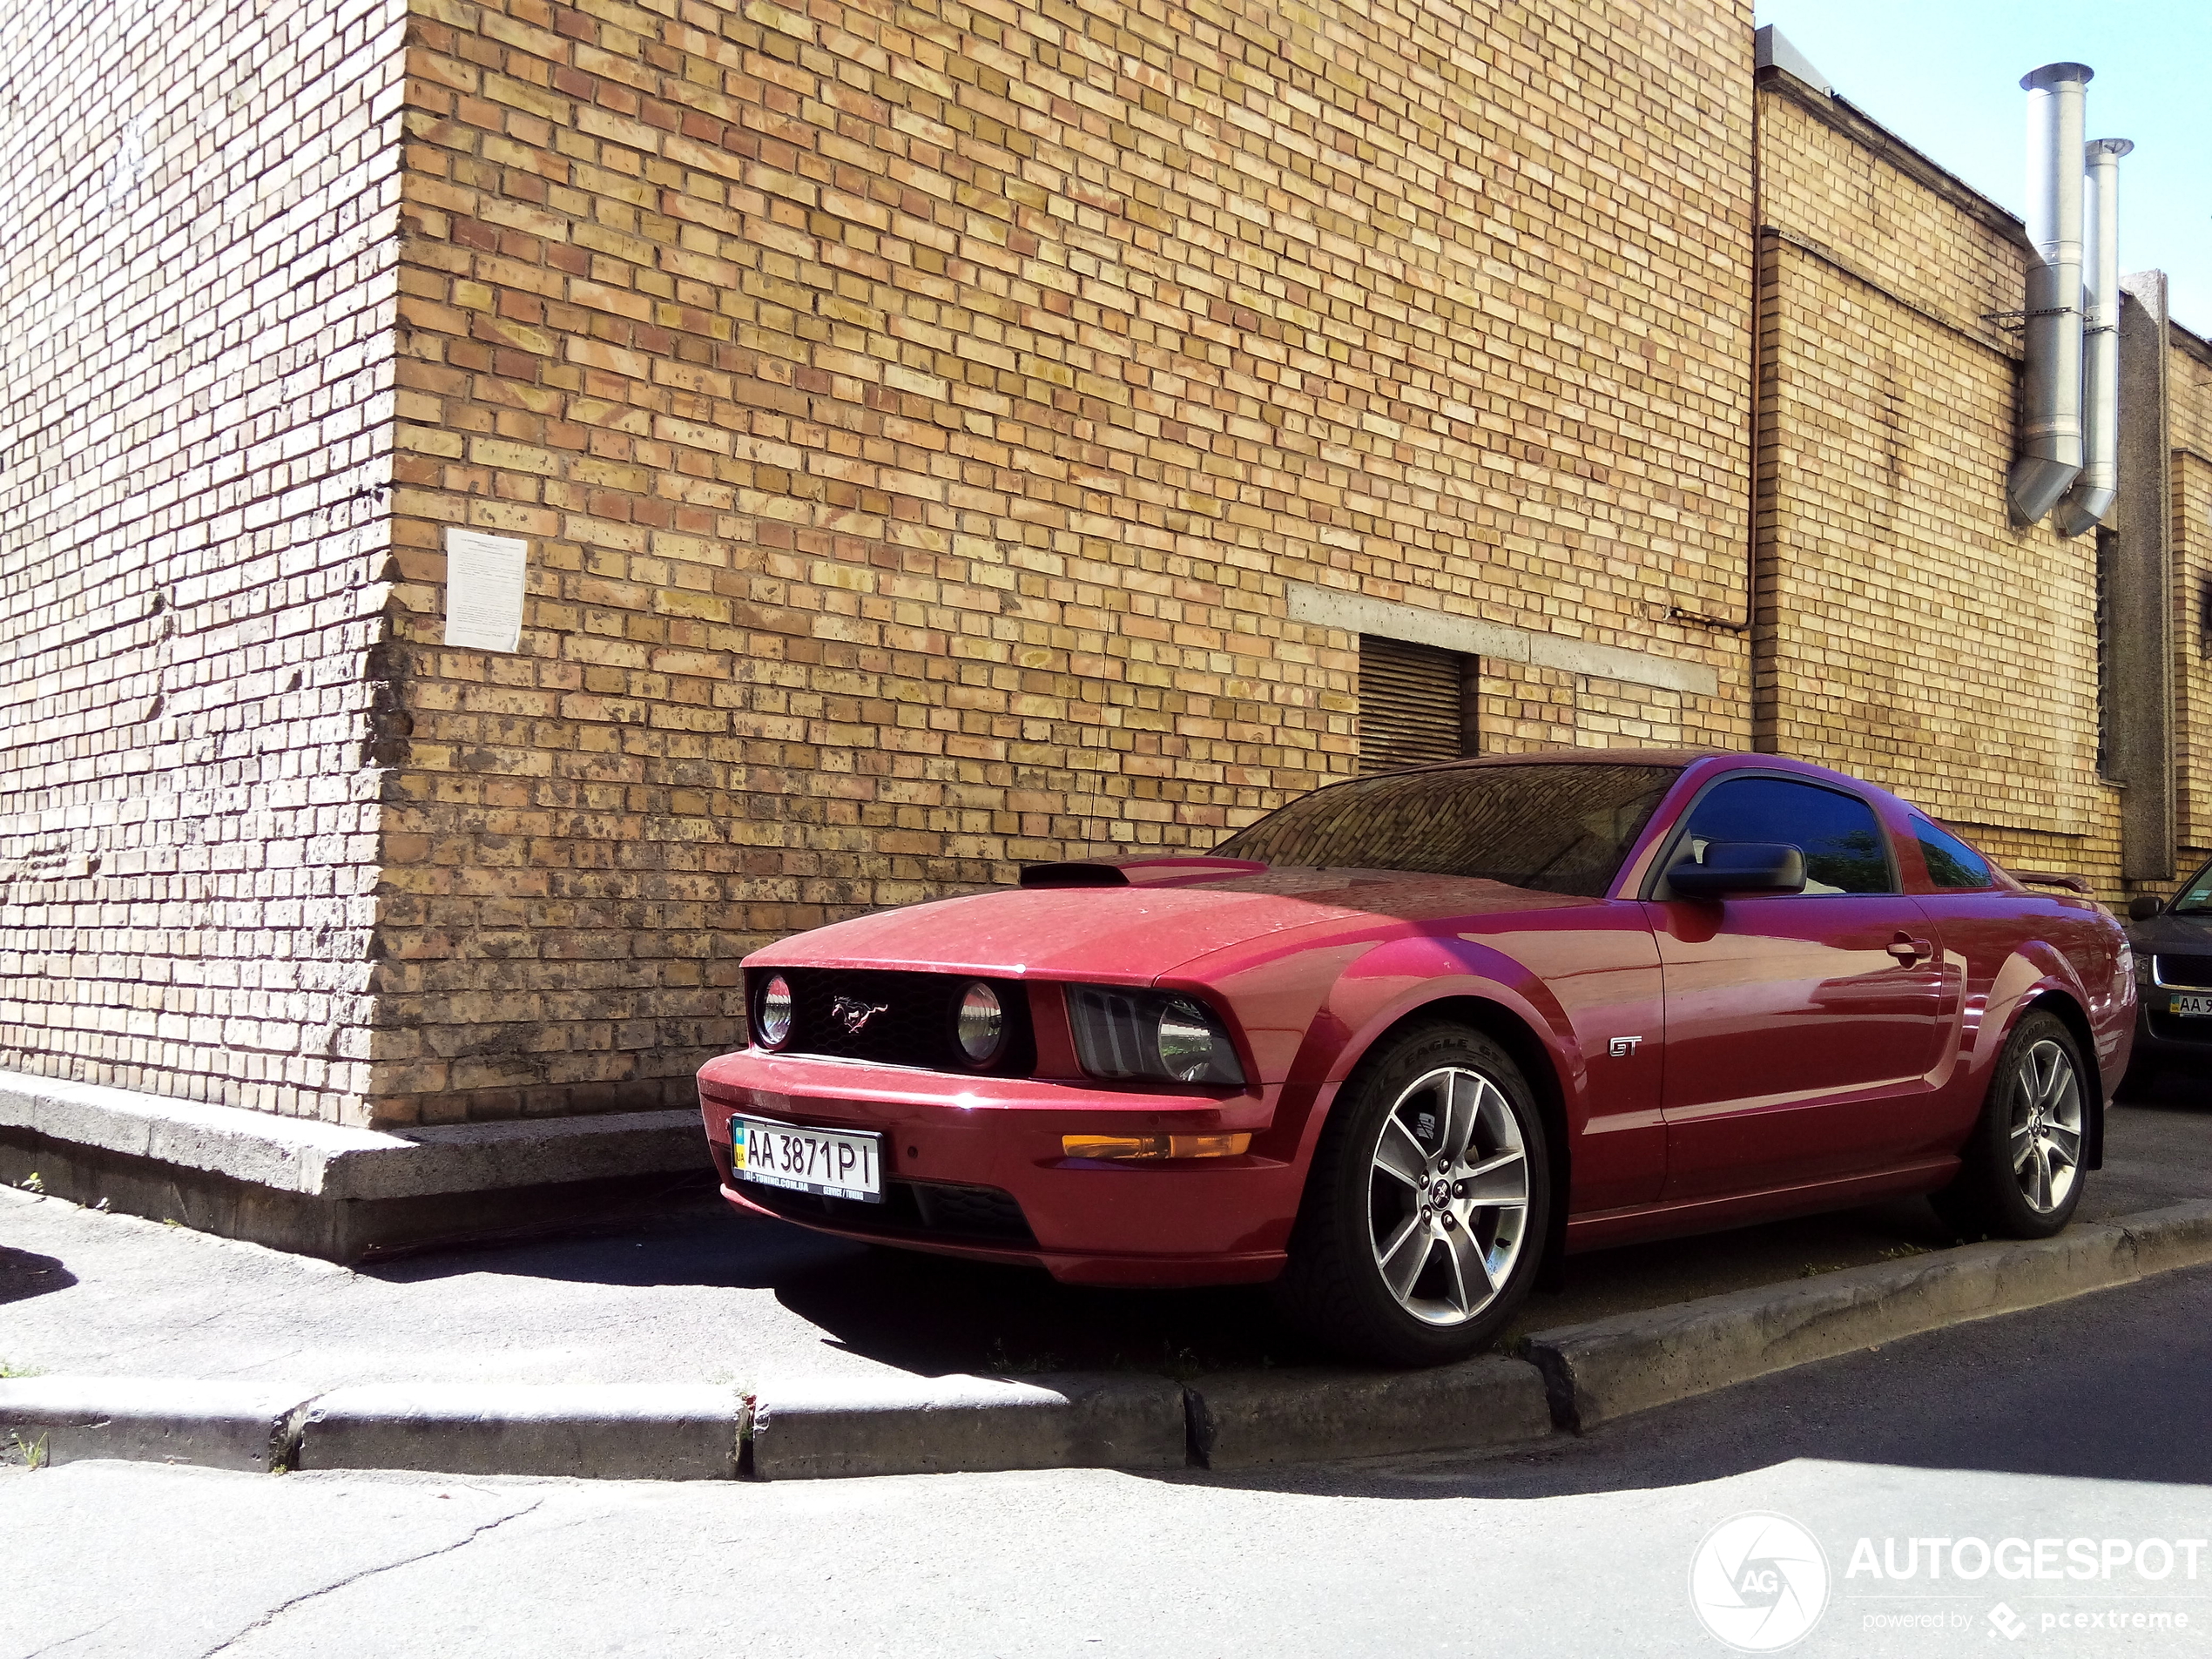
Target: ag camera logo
(1758, 1583)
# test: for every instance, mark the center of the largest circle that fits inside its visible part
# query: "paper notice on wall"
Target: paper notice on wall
(484, 590)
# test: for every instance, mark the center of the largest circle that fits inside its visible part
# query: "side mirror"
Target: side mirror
(2144, 906)
(1739, 868)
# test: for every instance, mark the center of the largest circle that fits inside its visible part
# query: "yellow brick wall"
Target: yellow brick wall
(199, 253)
(919, 416)
(916, 413)
(1908, 633)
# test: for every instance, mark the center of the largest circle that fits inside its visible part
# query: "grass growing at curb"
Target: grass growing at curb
(31, 1452)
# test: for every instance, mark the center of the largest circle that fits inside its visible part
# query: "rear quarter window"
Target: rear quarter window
(1952, 863)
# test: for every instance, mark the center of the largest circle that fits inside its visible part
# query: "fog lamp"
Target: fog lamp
(980, 1024)
(774, 1025)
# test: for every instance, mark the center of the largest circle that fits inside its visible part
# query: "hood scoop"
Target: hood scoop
(1137, 873)
(1074, 874)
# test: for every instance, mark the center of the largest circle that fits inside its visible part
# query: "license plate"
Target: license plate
(827, 1160)
(2193, 1005)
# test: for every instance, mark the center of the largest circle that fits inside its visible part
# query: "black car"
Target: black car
(2173, 945)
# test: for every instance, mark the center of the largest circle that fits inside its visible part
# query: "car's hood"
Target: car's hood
(1133, 934)
(2177, 933)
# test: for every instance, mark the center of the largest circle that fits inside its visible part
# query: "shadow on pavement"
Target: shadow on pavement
(2111, 1386)
(683, 1237)
(933, 1315)
(2174, 1092)
(24, 1275)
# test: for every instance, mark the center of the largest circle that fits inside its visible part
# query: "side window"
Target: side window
(1952, 863)
(1844, 849)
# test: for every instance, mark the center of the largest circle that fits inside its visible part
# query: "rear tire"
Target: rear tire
(2021, 1171)
(1426, 1208)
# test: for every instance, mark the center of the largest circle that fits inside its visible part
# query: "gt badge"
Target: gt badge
(1623, 1048)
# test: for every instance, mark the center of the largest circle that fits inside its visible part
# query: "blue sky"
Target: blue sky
(1944, 76)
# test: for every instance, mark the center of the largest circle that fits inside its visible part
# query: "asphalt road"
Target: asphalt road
(2084, 1420)
(686, 1291)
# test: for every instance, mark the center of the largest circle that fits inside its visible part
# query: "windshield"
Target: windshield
(1554, 828)
(2194, 900)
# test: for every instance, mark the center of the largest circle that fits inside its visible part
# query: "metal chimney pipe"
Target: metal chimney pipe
(2050, 445)
(2086, 504)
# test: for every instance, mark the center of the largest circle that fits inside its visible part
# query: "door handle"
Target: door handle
(1909, 950)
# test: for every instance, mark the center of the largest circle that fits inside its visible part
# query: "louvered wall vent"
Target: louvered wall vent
(1416, 704)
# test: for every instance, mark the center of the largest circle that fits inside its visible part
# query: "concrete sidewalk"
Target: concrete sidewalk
(685, 1294)
(685, 1290)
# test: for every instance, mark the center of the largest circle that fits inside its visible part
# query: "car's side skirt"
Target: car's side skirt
(1643, 1222)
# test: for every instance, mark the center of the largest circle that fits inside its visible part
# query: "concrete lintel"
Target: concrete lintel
(1356, 613)
(326, 1161)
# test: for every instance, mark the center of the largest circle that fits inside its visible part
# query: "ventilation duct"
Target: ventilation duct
(2050, 447)
(2090, 499)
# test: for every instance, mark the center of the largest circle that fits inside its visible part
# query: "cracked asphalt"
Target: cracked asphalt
(686, 1291)
(2082, 1420)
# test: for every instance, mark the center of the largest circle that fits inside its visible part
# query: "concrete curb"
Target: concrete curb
(1239, 1420)
(1610, 1368)
(940, 1425)
(218, 1425)
(1573, 1378)
(618, 1432)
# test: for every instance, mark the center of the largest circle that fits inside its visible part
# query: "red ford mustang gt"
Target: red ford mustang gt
(1399, 1040)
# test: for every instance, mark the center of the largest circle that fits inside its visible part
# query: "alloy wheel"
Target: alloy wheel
(1447, 1198)
(2045, 1126)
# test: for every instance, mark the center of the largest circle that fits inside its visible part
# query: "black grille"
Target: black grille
(909, 1017)
(927, 1209)
(2184, 970)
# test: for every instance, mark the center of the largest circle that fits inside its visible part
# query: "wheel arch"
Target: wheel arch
(1539, 1070)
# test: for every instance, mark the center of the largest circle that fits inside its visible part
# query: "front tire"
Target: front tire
(2021, 1171)
(1426, 1208)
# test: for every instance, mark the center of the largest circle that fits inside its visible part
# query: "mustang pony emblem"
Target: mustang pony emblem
(852, 1013)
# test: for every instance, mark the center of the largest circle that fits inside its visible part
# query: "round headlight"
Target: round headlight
(773, 1026)
(1191, 1044)
(981, 1024)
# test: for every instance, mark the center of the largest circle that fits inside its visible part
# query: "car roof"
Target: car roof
(1709, 759)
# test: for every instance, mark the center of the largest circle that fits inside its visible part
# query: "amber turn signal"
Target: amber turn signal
(1156, 1146)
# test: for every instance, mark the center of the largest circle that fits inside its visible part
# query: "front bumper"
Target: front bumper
(951, 1142)
(2170, 1039)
